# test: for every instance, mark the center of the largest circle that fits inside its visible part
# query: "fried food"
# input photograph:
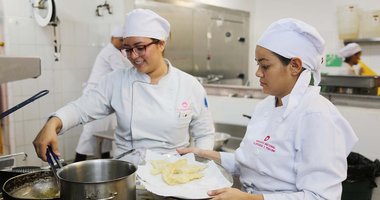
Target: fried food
(177, 172)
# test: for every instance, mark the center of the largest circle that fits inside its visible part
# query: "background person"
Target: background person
(351, 54)
(157, 106)
(109, 59)
(297, 142)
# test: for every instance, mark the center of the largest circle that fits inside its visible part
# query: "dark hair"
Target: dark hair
(284, 61)
(157, 41)
(347, 59)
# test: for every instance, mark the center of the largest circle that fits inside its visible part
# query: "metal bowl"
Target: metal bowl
(220, 140)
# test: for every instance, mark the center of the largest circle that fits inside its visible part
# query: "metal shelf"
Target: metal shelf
(362, 40)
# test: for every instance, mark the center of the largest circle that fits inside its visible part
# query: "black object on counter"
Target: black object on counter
(247, 116)
(361, 176)
(24, 103)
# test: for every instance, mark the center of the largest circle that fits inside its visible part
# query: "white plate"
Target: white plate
(215, 177)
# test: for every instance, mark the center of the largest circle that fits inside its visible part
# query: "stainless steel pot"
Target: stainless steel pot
(98, 179)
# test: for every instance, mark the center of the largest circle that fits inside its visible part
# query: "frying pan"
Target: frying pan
(7, 174)
(33, 185)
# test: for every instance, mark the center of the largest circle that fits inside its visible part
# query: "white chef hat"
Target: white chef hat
(117, 31)
(146, 23)
(294, 38)
(349, 50)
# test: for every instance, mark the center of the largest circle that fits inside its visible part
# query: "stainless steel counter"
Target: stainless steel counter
(354, 100)
(364, 101)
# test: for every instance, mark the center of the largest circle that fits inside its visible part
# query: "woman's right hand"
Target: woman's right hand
(48, 136)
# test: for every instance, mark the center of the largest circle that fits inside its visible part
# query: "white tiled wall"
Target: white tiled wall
(81, 35)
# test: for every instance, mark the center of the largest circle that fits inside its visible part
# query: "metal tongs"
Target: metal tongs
(54, 162)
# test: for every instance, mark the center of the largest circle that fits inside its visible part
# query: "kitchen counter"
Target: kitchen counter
(354, 100)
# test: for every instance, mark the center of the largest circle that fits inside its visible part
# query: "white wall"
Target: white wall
(322, 15)
(82, 35)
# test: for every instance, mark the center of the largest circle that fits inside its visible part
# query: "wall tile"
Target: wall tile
(72, 81)
(44, 35)
(63, 78)
(29, 87)
(19, 8)
(46, 80)
(19, 133)
(67, 32)
(31, 128)
(18, 115)
(81, 34)
(46, 105)
(31, 111)
(15, 88)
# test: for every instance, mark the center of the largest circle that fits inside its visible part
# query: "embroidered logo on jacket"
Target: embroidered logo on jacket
(264, 144)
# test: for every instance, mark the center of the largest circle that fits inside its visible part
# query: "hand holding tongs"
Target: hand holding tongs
(54, 162)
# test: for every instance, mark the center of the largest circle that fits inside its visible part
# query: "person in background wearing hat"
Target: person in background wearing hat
(351, 54)
(297, 142)
(157, 106)
(109, 59)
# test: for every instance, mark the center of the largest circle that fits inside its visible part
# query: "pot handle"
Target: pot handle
(113, 195)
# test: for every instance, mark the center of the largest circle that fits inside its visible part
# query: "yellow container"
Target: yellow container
(367, 71)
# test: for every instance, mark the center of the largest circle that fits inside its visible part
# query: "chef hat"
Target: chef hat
(117, 31)
(294, 38)
(349, 50)
(146, 23)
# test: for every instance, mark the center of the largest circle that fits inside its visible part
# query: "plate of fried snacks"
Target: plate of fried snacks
(181, 176)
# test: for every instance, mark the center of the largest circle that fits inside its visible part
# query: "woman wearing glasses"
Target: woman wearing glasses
(157, 106)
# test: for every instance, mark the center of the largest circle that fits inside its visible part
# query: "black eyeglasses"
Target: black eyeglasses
(139, 49)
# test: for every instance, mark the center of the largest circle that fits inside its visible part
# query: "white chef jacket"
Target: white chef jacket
(109, 59)
(348, 70)
(159, 117)
(296, 151)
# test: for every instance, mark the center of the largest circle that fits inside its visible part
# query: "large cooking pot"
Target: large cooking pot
(33, 185)
(98, 179)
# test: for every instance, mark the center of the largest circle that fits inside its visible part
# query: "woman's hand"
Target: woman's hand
(194, 150)
(232, 194)
(213, 155)
(48, 136)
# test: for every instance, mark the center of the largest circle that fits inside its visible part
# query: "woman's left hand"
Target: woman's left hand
(231, 194)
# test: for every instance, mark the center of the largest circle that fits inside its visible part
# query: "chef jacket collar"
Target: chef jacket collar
(165, 78)
(297, 92)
